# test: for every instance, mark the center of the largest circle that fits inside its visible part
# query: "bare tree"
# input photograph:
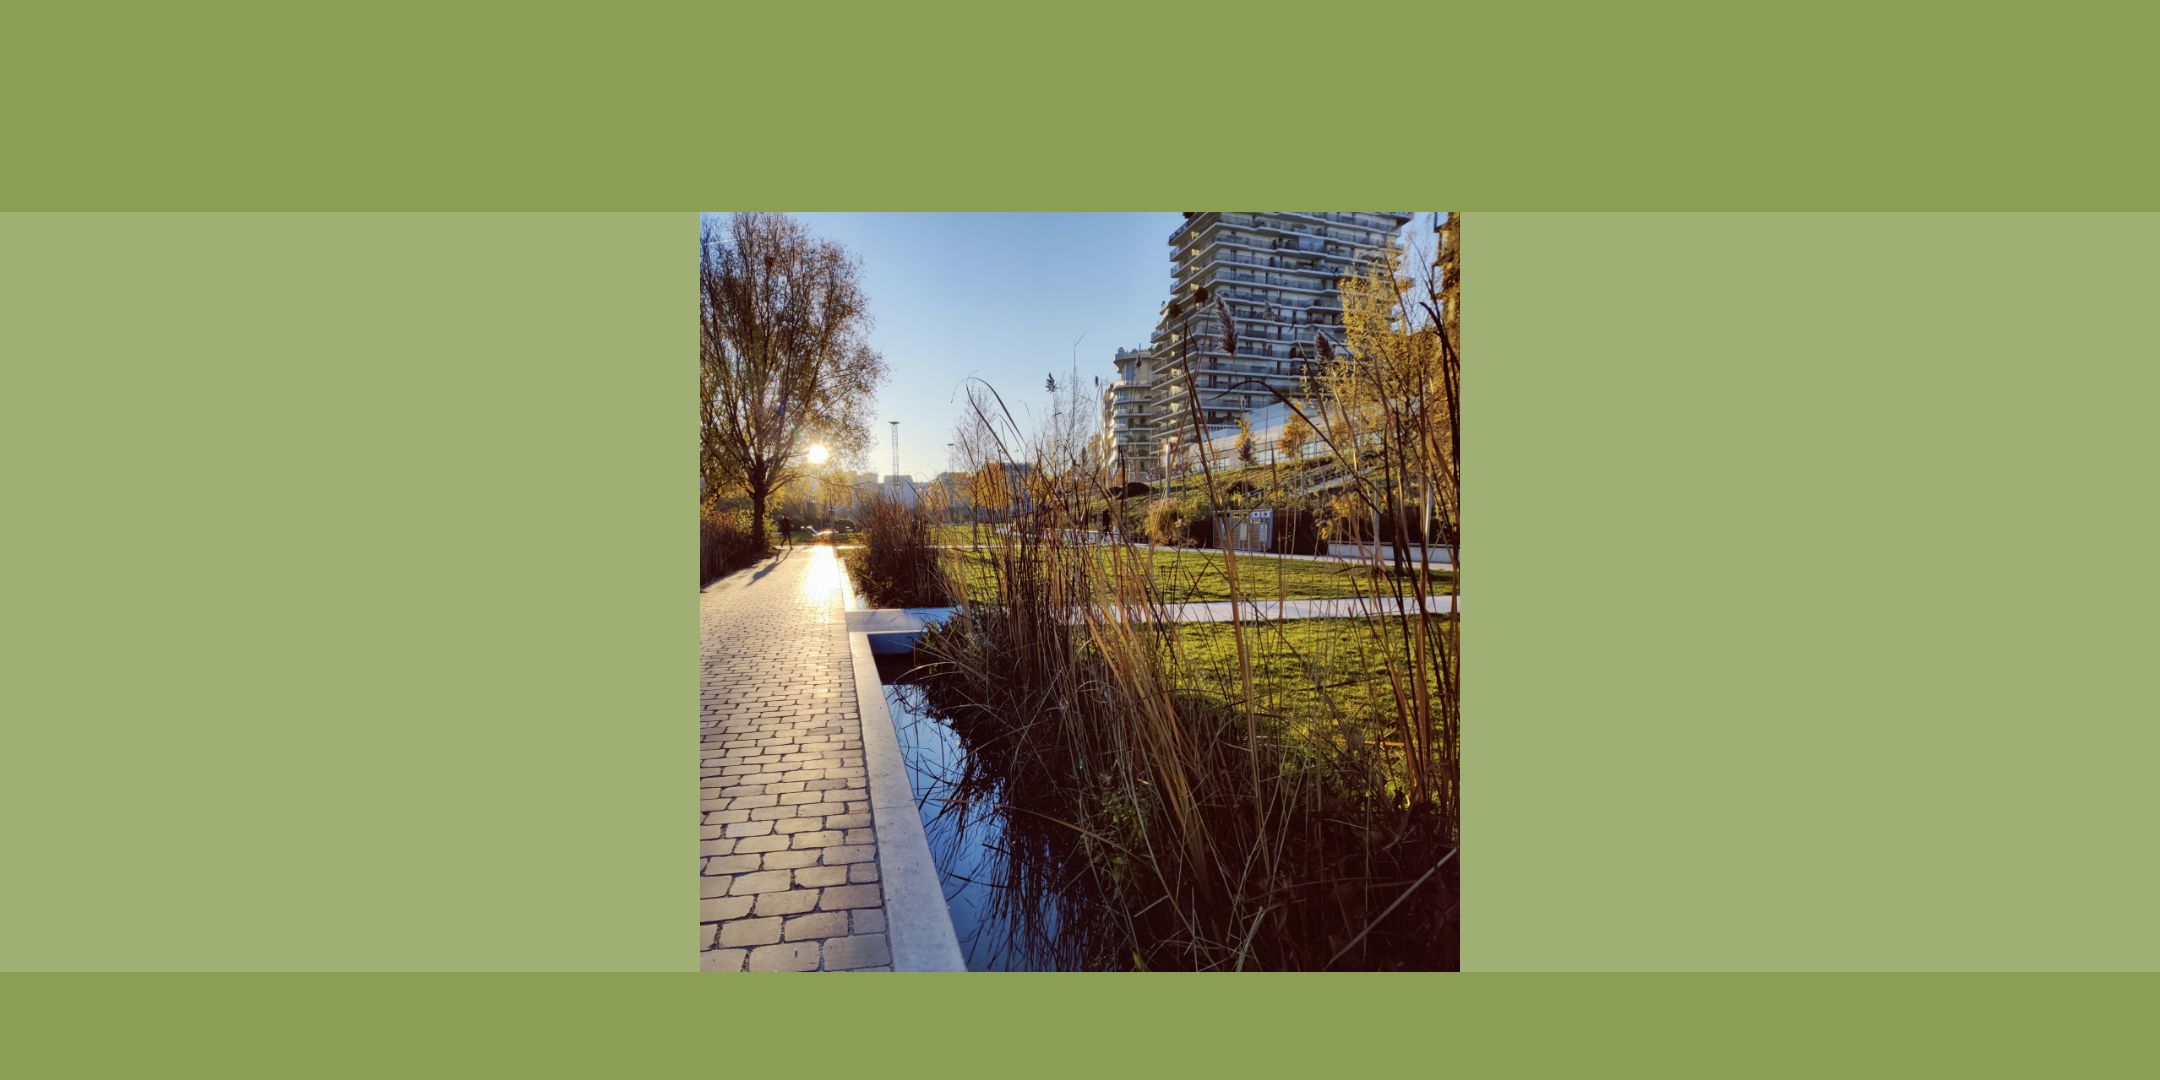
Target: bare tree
(785, 353)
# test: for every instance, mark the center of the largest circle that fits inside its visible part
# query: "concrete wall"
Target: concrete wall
(1387, 551)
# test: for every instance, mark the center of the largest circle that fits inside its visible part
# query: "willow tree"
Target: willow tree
(784, 346)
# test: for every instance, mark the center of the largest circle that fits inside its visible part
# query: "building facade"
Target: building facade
(1277, 274)
(1128, 416)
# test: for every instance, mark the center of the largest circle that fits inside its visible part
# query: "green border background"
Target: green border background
(347, 549)
(348, 593)
(344, 618)
(1807, 562)
(1114, 105)
(1073, 1025)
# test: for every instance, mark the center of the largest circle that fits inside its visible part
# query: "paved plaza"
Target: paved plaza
(790, 871)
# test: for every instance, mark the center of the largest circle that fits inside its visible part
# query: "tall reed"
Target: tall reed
(1217, 822)
(899, 564)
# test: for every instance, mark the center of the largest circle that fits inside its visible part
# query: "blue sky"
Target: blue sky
(998, 296)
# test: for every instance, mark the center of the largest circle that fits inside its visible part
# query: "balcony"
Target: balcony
(1361, 228)
(1272, 281)
(1339, 247)
(1379, 221)
(1269, 270)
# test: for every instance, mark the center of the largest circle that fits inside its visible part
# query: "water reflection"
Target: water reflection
(1017, 888)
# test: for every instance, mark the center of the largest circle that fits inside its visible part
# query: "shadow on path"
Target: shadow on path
(771, 565)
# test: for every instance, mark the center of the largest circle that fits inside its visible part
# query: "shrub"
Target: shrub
(1132, 519)
(724, 545)
(1165, 522)
(899, 565)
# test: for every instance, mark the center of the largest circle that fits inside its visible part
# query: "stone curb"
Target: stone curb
(918, 926)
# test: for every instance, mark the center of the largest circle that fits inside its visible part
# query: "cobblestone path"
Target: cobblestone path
(789, 863)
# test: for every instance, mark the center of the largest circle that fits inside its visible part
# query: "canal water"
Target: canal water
(1027, 893)
(1015, 903)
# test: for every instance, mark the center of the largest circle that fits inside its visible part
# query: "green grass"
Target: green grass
(1294, 663)
(1189, 575)
(1304, 671)
(960, 534)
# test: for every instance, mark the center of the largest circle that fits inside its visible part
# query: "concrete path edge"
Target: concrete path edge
(918, 925)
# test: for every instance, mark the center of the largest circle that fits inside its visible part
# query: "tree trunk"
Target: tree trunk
(757, 516)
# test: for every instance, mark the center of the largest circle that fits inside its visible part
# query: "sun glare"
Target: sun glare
(818, 453)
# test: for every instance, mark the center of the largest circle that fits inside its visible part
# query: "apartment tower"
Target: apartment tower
(1277, 273)
(1128, 416)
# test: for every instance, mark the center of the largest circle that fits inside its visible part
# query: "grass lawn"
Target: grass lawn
(961, 534)
(1303, 670)
(1187, 575)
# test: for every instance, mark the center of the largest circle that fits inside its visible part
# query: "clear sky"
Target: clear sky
(1000, 297)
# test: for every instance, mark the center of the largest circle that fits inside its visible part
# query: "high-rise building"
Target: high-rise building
(1128, 416)
(1278, 275)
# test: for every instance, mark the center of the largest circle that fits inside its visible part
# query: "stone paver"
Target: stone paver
(788, 852)
(843, 954)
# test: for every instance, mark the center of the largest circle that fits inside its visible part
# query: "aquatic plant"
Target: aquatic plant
(899, 564)
(1234, 798)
